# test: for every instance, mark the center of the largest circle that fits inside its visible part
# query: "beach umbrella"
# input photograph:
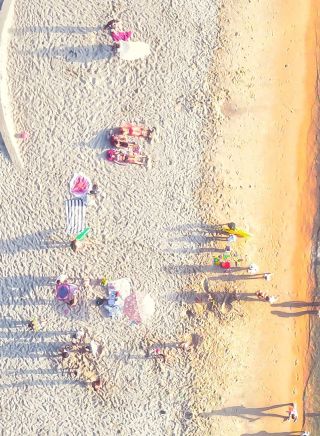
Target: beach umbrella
(65, 292)
(237, 232)
(225, 265)
(138, 307)
(80, 185)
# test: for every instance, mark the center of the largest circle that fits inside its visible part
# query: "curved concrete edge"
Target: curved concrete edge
(7, 127)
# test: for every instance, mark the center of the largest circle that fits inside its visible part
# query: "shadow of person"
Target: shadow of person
(228, 276)
(3, 149)
(40, 240)
(248, 413)
(187, 269)
(297, 304)
(80, 54)
(248, 296)
(312, 414)
(55, 29)
(99, 141)
(293, 314)
(190, 297)
(25, 283)
(282, 433)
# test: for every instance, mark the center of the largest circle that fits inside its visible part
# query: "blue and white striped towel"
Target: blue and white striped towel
(75, 216)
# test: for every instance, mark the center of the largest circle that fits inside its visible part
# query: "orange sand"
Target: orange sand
(265, 101)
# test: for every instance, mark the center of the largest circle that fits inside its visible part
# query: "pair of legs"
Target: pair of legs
(137, 131)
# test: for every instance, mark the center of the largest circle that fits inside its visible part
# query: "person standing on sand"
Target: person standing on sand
(232, 238)
(253, 269)
(292, 413)
(263, 296)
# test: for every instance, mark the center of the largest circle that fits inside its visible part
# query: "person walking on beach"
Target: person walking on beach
(253, 269)
(263, 296)
(231, 239)
(292, 413)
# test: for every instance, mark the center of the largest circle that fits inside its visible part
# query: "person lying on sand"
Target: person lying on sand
(137, 131)
(122, 142)
(122, 157)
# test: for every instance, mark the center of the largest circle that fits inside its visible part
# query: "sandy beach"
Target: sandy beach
(231, 91)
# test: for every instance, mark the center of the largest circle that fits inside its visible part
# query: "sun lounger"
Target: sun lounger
(75, 216)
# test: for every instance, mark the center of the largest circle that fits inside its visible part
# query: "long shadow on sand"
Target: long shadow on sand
(39, 383)
(236, 277)
(40, 240)
(190, 297)
(293, 314)
(25, 283)
(282, 433)
(3, 149)
(55, 29)
(187, 269)
(297, 304)
(79, 54)
(247, 413)
(27, 349)
(196, 228)
(312, 414)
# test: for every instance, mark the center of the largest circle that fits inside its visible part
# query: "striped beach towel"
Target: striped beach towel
(75, 216)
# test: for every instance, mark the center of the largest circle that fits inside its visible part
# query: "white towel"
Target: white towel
(131, 50)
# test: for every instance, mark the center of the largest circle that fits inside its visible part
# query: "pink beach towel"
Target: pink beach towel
(121, 36)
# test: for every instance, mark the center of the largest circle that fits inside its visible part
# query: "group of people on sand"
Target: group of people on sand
(253, 270)
(79, 358)
(127, 150)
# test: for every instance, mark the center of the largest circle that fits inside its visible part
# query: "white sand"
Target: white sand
(67, 93)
